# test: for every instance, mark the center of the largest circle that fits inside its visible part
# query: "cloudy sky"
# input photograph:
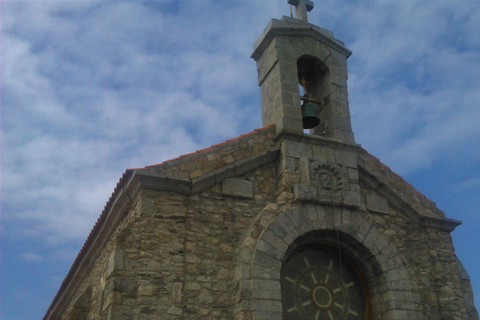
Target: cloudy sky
(90, 88)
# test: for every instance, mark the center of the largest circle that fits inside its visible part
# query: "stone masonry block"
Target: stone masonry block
(305, 192)
(311, 215)
(264, 260)
(352, 173)
(242, 272)
(342, 121)
(292, 111)
(345, 224)
(339, 79)
(115, 261)
(306, 227)
(287, 225)
(287, 164)
(247, 284)
(363, 229)
(377, 203)
(381, 243)
(248, 164)
(276, 228)
(224, 173)
(295, 215)
(265, 284)
(201, 183)
(329, 218)
(371, 238)
(356, 221)
(289, 125)
(395, 315)
(246, 254)
(348, 137)
(266, 273)
(294, 149)
(269, 249)
(389, 252)
(237, 187)
(337, 219)
(321, 215)
(287, 98)
(263, 315)
(266, 305)
(347, 158)
(396, 274)
(273, 239)
(266, 294)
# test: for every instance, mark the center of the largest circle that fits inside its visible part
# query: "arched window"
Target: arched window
(314, 82)
(318, 283)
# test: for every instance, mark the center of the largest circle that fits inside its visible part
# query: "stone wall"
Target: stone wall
(101, 289)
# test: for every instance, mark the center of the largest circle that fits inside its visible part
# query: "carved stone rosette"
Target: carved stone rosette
(326, 176)
(326, 182)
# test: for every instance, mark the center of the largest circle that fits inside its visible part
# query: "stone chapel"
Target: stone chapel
(276, 223)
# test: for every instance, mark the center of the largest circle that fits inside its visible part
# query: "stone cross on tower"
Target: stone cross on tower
(301, 8)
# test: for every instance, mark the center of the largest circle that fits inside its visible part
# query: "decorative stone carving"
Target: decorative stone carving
(326, 182)
(327, 176)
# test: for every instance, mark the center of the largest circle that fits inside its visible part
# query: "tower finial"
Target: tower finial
(301, 8)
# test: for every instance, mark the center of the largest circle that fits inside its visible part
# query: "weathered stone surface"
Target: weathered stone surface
(377, 203)
(237, 187)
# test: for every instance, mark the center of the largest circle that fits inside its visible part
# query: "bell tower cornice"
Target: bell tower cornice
(293, 27)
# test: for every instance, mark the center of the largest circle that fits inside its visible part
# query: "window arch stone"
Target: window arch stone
(275, 230)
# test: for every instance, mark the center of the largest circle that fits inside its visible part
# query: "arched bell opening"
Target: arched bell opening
(313, 77)
(321, 278)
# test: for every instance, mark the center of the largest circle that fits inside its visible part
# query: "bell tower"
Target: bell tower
(299, 61)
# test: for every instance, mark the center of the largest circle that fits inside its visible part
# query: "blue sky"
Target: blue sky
(90, 88)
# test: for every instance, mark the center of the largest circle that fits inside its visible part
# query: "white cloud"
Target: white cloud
(93, 88)
(416, 76)
(32, 257)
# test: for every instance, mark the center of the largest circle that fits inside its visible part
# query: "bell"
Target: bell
(309, 118)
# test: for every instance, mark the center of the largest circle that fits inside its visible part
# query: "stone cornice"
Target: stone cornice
(318, 140)
(294, 27)
(412, 203)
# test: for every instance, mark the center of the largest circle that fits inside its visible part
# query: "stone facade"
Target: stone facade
(205, 236)
(216, 252)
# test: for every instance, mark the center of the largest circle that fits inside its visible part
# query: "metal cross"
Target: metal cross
(301, 8)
